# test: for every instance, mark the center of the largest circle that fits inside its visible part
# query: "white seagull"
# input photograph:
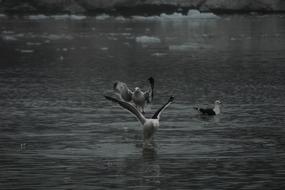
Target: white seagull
(211, 111)
(138, 97)
(149, 125)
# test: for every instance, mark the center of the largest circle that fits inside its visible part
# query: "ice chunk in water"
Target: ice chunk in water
(9, 38)
(37, 17)
(102, 17)
(197, 14)
(73, 17)
(147, 39)
(192, 14)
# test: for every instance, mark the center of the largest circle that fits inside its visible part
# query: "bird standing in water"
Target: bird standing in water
(150, 125)
(211, 111)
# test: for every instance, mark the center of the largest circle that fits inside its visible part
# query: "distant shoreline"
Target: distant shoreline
(135, 12)
(140, 7)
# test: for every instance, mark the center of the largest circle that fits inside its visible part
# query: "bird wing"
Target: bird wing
(208, 111)
(149, 94)
(128, 107)
(160, 110)
(123, 91)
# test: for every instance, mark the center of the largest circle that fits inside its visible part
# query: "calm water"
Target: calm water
(58, 132)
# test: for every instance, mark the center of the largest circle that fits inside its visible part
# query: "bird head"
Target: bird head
(218, 102)
(151, 80)
(171, 99)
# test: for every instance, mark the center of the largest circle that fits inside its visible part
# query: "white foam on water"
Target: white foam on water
(147, 39)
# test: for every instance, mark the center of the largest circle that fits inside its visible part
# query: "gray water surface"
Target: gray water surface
(58, 132)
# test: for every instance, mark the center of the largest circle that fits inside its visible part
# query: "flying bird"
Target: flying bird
(138, 97)
(150, 125)
(211, 111)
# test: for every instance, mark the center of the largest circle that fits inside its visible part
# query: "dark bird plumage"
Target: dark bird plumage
(210, 111)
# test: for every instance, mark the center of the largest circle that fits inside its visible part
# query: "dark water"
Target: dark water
(58, 132)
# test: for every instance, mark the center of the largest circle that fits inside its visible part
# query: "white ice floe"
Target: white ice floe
(119, 34)
(56, 17)
(33, 43)
(27, 50)
(121, 18)
(78, 17)
(188, 46)
(66, 16)
(197, 14)
(172, 16)
(158, 54)
(192, 14)
(102, 17)
(37, 17)
(146, 18)
(9, 38)
(29, 35)
(58, 37)
(104, 48)
(8, 32)
(147, 39)
(3, 16)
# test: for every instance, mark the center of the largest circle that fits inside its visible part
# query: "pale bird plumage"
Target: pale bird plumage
(150, 125)
(138, 97)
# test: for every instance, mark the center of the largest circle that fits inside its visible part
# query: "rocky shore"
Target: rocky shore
(140, 7)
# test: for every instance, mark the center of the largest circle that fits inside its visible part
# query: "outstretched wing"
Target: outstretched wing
(123, 91)
(128, 107)
(149, 94)
(160, 110)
